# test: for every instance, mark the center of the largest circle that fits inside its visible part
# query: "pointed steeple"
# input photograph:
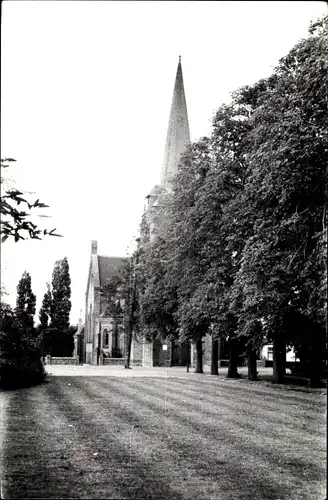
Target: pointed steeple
(178, 135)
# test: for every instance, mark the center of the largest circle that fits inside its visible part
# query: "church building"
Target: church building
(104, 338)
(102, 334)
(177, 140)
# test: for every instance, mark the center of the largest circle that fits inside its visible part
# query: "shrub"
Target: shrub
(20, 355)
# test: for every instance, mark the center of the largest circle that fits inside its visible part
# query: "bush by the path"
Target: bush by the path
(20, 356)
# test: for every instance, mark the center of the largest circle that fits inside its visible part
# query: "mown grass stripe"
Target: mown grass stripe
(101, 427)
(295, 417)
(180, 454)
(207, 460)
(26, 470)
(243, 387)
(235, 428)
(204, 444)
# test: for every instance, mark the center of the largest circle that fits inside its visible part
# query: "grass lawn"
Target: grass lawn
(170, 438)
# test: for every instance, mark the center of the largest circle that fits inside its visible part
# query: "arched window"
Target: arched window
(105, 337)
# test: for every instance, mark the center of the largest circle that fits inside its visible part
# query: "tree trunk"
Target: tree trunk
(132, 308)
(171, 353)
(233, 360)
(128, 347)
(314, 380)
(279, 360)
(214, 357)
(188, 356)
(252, 364)
(316, 364)
(199, 355)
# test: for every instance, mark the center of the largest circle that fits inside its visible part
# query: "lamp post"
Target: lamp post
(42, 346)
(131, 309)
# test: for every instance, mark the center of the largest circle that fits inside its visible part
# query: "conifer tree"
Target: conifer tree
(60, 336)
(44, 317)
(25, 303)
(44, 314)
(61, 293)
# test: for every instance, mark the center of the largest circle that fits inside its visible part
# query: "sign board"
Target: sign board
(164, 347)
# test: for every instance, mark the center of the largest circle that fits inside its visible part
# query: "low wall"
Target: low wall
(112, 361)
(50, 360)
(136, 362)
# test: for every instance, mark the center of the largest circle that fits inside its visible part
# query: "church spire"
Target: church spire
(178, 135)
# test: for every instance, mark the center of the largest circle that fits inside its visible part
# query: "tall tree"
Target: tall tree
(243, 233)
(25, 303)
(184, 233)
(44, 318)
(60, 336)
(285, 198)
(210, 175)
(61, 294)
(158, 301)
(45, 310)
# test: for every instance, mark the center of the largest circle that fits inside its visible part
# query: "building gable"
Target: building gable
(107, 268)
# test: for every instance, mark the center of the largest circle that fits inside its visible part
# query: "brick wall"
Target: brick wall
(62, 361)
(94, 357)
(136, 352)
(147, 354)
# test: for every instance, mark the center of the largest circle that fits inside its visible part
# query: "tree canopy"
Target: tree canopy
(241, 249)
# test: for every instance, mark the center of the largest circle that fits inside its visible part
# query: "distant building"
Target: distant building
(267, 353)
(103, 333)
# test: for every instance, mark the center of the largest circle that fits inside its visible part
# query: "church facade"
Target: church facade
(104, 334)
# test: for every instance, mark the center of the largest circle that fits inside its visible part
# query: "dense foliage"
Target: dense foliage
(20, 361)
(241, 250)
(25, 303)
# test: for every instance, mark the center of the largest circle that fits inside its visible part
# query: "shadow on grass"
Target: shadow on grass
(16, 383)
(291, 382)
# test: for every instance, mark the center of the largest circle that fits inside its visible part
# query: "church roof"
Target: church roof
(108, 267)
(178, 134)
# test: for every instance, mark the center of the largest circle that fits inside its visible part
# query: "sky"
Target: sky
(85, 100)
